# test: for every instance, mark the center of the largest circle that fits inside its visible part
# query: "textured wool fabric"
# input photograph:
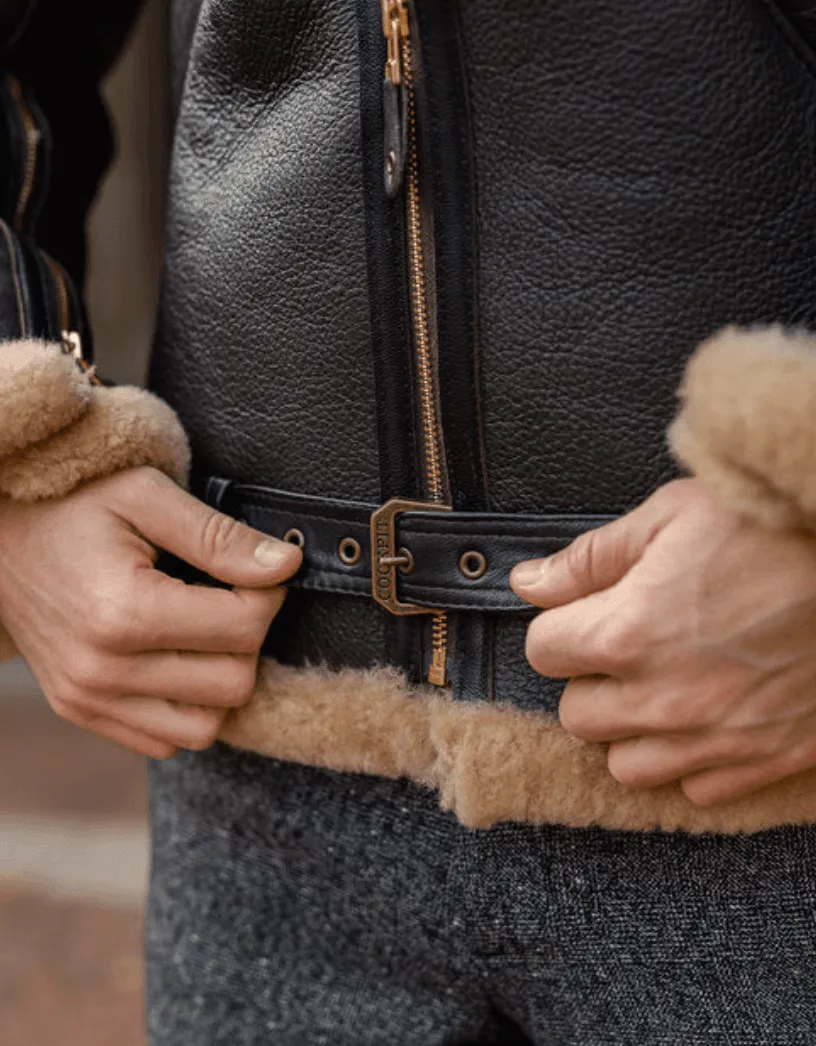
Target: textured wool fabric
(292, 906)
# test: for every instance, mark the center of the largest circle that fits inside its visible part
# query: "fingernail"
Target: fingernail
(525, 575)
(271, 553)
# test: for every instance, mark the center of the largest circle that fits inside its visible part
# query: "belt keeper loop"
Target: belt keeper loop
(217, 494)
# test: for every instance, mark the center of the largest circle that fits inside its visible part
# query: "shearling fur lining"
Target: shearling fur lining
(747, 423)
(489, 762)
(121, 428)
(42, 390)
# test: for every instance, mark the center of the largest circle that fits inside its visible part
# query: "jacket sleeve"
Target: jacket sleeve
(55, 144)
(60, 425)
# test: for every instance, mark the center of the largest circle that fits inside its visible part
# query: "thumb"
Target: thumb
(595, 560)
(224, 547)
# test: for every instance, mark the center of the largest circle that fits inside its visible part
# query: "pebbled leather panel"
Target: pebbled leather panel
(264, 340)
(183, 16)
(263, 345)
(514, 681)
(646, 173)
(338, 631)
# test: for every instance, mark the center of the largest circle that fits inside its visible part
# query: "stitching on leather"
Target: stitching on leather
(260, 496)
(332, 521)
(330, 583)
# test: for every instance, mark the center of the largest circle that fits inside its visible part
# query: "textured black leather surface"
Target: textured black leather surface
(610, 184)
(30, 301)
(13, 16)
(437, 541)
(55, 142)
(797, 18)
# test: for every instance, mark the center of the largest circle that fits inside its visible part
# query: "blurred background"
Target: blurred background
(73, 836)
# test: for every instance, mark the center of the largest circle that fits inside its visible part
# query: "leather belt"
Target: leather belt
(412, 557)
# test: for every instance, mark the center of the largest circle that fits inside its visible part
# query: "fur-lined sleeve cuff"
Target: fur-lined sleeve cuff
(747, 423)
(59, 429)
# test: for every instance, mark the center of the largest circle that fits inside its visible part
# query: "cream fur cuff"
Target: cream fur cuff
(60, 428)
(747, 423)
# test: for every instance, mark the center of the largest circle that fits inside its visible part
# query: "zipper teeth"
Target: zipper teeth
(32, 137)
(431, 436)
(69, 338)
(419, 302)
(62, 293)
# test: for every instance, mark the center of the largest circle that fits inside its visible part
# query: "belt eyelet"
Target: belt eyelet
(349, 551)
(295, 537)
(472, 564)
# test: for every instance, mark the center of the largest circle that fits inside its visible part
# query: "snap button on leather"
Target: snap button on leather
(295, 537)
(349, 551)
(472, 564)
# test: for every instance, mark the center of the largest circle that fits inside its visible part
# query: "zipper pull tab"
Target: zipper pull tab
(395, 136)
(395, 96)
(436, 672)
(395, 30)
(72, 346)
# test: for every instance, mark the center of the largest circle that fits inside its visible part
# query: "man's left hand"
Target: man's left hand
(691, 637)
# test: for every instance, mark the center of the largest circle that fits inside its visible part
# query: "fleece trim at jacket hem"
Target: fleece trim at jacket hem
(746, 427)
(489, 762)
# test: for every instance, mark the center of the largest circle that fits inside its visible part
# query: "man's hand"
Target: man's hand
(120, 647)
(692, 635)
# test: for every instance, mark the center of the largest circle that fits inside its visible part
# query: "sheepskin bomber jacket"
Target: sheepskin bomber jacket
(446, 283)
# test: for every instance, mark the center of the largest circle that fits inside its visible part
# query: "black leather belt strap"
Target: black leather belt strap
(447, 560)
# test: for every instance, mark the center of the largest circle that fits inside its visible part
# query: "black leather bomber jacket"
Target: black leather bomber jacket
(453, 252)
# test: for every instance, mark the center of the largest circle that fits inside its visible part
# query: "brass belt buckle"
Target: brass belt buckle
(387, 559)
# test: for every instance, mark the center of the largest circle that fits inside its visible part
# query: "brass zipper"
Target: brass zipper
(71, 339)
(399, 72)
(32, 143)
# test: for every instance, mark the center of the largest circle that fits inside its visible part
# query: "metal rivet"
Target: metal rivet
(349, 551)
(295, 537)
(472, 564)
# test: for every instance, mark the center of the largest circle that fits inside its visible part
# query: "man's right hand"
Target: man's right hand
(120, 647)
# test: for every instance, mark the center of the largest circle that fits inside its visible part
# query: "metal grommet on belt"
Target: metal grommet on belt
(349, 551)
(295, 537)
(472, 564)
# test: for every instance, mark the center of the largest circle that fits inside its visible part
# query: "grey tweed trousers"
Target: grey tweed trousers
(291, 906)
